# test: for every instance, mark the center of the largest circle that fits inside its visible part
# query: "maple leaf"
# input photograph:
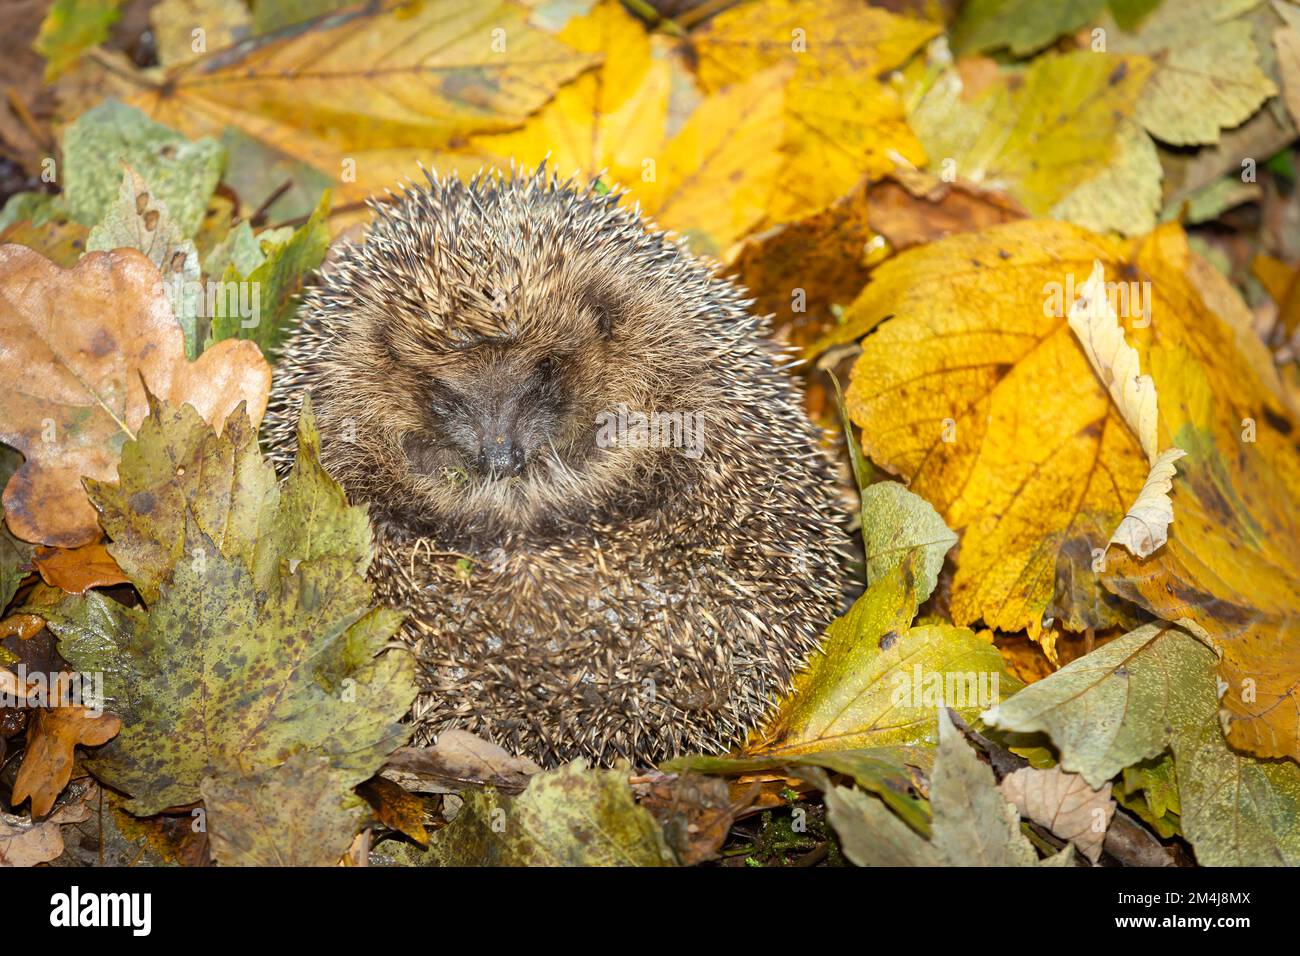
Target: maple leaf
(260, 645)
(85, 344)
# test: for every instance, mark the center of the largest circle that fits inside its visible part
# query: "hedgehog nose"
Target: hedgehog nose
(499, 456)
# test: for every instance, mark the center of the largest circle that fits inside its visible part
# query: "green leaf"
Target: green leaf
(260, 641)
(181, 174)
(176, 470)
(1207, 75)
(573, 816)
(971, 825)
(138, 220)
(70, 28)
(1022, 26)
(269, 818)
(895, 523)
(876, 682)
(1151, 690)
(274, 286)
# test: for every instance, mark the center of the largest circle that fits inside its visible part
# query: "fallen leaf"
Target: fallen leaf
(70, 27)
(1021, 26)
(181, 174)
(52, 737)
(281, 653)
(140, 221)
(77, 570)
(395, 808)
(1063, 803)
(365, 95)
(1043, 133)
(301, 812)
(1148, 691)
(971, 826)
(694, 812)
(978, 394)
(86, 342)
(223, 22)
(574, 816)
(1206, 73)
(877, 680)
(459, 760)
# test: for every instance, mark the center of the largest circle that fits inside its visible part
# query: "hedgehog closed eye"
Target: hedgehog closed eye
(606, 479)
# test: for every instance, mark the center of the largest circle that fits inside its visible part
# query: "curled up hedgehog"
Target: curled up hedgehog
(591, 478)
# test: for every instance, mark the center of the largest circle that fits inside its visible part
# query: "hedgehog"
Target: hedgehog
(591, 479)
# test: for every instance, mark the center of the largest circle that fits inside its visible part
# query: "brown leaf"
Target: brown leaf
(396, 808)
(458, 760)
(1063, 803)
(77, 570)
(695, 811)
(52, 738)
(82, 344)
(24, 626)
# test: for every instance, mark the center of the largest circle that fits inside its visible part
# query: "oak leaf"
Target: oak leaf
(86, 342)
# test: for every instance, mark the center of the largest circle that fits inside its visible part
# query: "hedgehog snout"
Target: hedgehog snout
(499, 454)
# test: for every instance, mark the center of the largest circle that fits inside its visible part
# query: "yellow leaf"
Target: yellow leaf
(980, 396)
(374, 91)
(1047, 132)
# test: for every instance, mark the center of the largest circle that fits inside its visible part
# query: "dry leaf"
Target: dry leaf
(82, 341)
(77, 570)
(1064, 804)
(52, 738)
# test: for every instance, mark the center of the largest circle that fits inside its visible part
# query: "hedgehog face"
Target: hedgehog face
(486, 336)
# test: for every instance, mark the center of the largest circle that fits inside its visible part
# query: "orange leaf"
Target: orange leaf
(77, 570)
(52, 738)
(81, 344)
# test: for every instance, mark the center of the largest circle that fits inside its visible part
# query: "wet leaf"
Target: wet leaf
(77, 570)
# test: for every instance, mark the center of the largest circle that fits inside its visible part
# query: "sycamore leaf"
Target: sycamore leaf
(1206, 73)
(1045, 132)
(269, 818)
(181, 174)
(85, 343)
(573, 816)
(972, 824)
(876, 680)
(980, 396)
(1148, 691)
(1022, 26)
(1064, 803)
(52, 737)
(139, 221)
(240, 662)
(365, 95)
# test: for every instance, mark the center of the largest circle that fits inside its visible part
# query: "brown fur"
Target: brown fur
(605, 601)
